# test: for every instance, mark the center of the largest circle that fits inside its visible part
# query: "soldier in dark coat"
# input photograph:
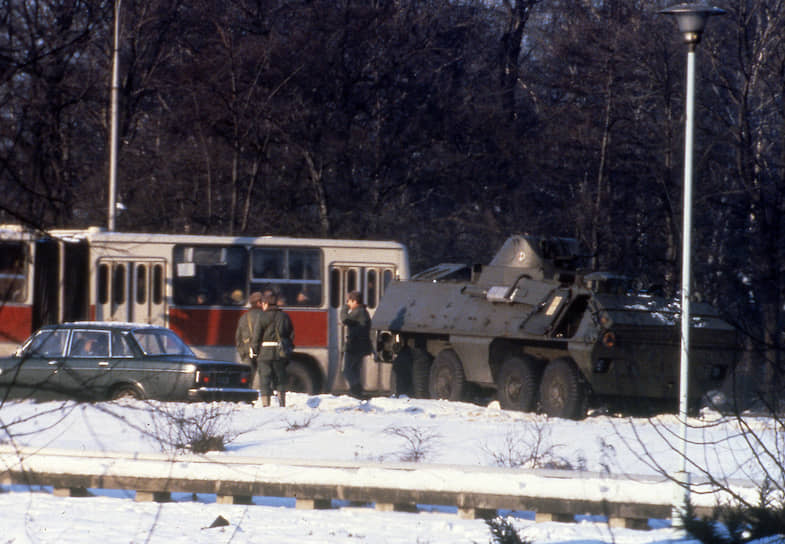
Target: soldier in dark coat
(277, 344)
(357, 320)
(248, 335)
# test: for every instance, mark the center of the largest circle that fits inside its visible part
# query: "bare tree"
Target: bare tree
(47, 91)
(746, 170)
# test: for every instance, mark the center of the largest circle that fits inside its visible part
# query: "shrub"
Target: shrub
(196, 428)
(419, 442)
(737, 524)
(502, 532)
(528, 446)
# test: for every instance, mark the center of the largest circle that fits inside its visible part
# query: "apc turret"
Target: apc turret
(537, 331)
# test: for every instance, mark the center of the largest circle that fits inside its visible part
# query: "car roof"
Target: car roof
(102, 325)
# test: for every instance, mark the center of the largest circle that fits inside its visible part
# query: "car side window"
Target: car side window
(148, 342)
(90, 344)
(157, 341)
(121, 346)
(48, 343)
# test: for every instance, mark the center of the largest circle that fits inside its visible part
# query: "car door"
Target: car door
(87, 370)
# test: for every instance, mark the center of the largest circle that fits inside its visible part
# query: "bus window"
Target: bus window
(371, 289)
(305, 267)
(118, 283)
(336, 300)
(158, 283)
(268, 264)
(386, 279)
(212, 275)
(304, 264)
(141, 284)
(294, 274)
(351, 280)
(103, 283)
(12, 272)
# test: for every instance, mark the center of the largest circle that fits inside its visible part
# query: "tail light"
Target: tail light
(609, 339)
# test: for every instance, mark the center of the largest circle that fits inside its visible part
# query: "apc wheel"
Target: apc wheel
(447, 380)
(518, 380)
(126, 392)
(421, 372)
(562, 393)
(401, 374)
(300, 378)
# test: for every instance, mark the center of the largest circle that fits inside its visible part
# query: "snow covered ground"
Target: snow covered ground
(339, 428)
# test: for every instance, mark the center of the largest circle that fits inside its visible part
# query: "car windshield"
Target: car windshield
(161, 342)
(46, 343)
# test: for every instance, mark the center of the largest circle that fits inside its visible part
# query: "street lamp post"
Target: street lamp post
(113, 121)
(691, 19)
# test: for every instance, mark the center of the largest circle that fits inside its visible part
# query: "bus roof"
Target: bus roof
(99, 234)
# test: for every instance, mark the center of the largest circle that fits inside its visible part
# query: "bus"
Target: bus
(198, 286)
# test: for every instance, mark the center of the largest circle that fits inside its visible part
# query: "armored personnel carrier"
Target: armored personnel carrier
(539, 333)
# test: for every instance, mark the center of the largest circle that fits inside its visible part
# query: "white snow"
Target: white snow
(451, 439)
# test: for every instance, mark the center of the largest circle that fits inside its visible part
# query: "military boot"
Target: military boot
(356, 391)
(282, 398)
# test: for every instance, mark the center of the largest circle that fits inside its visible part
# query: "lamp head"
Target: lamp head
(691, 19)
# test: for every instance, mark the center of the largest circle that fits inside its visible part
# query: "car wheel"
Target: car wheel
(300, 378)
(122, 392)
(517, 382)
(562, 393)
(447, 380)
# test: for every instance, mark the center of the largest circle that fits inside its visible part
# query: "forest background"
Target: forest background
(443, 124)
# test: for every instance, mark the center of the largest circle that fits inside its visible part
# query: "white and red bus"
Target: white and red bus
(198, 286)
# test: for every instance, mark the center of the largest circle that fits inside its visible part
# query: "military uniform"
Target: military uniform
(277, 330)
(248, 338)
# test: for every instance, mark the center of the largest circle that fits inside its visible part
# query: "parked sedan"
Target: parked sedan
(102, 361)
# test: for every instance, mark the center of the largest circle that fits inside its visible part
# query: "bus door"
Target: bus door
(59, 290)
(376, 377)
(370, 281)
(131, 290)
(343, 279)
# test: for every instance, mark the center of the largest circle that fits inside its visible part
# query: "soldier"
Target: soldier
(358, 340)
(277, 345)
(248, 335)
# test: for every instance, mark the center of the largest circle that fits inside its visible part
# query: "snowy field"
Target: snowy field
(335, 428)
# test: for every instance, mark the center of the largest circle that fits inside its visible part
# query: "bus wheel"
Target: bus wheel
(125, 391)
(300, 378)
(447, 378)
(562, 393)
